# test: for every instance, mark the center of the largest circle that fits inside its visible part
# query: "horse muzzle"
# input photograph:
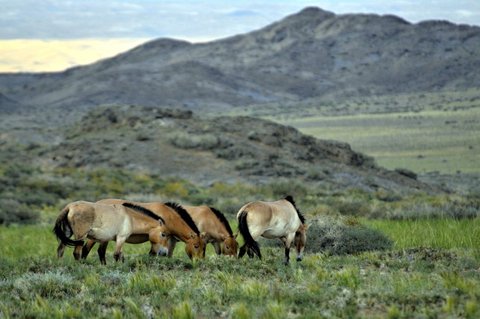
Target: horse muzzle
(162, 252)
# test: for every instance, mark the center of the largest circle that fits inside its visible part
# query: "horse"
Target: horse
(103, 223)
(279, 219)
(178, 226)
(216, 228)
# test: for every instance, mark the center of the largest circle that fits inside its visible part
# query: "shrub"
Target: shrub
(191, 141)
(11, 211)
(339, 236)
(287, 187)
(343, 236)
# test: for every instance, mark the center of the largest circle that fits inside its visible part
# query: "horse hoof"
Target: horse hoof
(299, 258)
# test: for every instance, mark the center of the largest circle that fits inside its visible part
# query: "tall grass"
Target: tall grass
(437, 233)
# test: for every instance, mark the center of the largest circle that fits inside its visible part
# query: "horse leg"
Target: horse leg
(242, 251)
(102, 249)
(172, 242)
(60, 250)
(250, 253)
(118, 248)
(287, 241)
(218, 248)
(77, 252)
(259, 254)
(287, 255)
(87, 247)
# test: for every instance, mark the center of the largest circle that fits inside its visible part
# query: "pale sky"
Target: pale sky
(52, 35)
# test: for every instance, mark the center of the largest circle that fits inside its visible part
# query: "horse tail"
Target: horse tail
(249, 241)
(62, 226)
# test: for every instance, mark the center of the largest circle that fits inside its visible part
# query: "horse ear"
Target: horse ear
(161, 221)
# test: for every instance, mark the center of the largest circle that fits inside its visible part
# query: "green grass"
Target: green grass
(402, 283)
(444, 141)
(436, 233)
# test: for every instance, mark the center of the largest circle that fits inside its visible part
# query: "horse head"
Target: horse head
(300, 240)
(159, 240)
(195, 246)
(230, 246)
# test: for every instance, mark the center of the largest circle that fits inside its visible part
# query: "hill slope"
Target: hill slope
(311, 54)
(176, 143)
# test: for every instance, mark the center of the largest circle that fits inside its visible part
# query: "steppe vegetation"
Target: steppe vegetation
(380, 254)
(368, 254)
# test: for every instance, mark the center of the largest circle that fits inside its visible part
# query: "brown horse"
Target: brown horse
(216, 228)
(280, 219)
(103, 223)
(178, 226)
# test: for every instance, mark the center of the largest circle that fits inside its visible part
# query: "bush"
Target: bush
(339, 236)
(191, 141)
(344, 236)
(11, 211)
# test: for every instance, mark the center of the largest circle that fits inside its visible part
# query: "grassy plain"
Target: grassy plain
(423, 132)
(441, 233)
(420, 278)
(431, 140)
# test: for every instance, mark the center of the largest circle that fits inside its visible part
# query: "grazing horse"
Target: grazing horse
(216, 228)
(280, 219)
(178, 226)
(102, 223)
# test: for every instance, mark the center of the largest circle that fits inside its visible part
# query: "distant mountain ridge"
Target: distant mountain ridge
(311, 54)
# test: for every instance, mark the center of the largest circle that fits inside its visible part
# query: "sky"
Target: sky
(52, 35)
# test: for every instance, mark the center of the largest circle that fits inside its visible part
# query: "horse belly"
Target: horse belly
(274, 233)
(279, 229)
(102, 234)
(137, 239)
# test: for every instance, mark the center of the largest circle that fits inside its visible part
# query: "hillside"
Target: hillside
(313, 54)
(175, 143)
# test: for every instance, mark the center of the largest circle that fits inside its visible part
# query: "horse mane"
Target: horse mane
(184, 215)
(223, 220)
(300, 215)
(144, 211)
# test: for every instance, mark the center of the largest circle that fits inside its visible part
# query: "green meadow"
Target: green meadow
(424, 141)
(431, 271)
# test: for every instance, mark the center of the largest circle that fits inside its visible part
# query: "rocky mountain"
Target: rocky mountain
(311, 54)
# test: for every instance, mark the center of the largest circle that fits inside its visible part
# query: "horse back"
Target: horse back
(135, 217)
(207, 221)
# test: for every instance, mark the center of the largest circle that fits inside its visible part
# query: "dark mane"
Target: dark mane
(144, 211)
(300, 215)
(222, 219)
(184, 215)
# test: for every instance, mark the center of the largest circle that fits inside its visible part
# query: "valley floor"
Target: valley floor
(443, 141)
